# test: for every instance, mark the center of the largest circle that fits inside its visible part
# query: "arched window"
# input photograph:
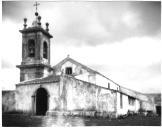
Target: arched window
(45, 50)
(31, 48)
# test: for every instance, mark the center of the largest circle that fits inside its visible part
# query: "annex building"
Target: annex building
(69, 87)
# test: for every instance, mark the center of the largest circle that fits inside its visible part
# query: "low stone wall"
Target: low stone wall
(93, 114)
(8, 101)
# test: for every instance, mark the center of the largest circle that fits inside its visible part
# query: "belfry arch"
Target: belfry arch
(45, 50)
(31, 48)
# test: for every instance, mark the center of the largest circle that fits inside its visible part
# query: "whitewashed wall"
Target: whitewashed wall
(24, 93)
(102, 81)
(83, 74)
(78, 72)
(124, 109)
(126, 106)
(137, 105)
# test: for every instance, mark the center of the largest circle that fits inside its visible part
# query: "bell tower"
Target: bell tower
(35, 50)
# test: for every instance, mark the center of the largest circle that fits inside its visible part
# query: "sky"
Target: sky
(118, 39)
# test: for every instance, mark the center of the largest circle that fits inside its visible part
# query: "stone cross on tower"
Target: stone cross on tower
(36, 5)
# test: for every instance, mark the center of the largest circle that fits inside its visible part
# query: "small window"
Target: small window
(45, 50)
(31, 48)
(121, 100)
(68, 71)
(131, 100)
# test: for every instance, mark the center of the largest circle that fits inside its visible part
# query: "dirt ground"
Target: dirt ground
(47, 121)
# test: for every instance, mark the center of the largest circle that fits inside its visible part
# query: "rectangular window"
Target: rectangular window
(131, 100)
(121, 100)
(68, 70)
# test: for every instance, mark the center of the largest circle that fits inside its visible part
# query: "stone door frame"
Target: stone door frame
(34, 100)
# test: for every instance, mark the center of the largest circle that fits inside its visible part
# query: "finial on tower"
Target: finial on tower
(47, 25)
(25, 25)
(39, 20)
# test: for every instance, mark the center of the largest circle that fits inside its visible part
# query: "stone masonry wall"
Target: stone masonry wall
(80, 95)
(8, 101)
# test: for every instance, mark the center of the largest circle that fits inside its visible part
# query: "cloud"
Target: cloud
(16, 10)
(152, 85)
(131, 20)
(92, 23)
(154, 69)
(150, 16)
(9, 78)
(6, 64)
(10, 44)
(140, 78)
(131, 52)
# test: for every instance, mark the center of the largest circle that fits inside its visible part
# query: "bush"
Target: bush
(130, 113)
(141, 110)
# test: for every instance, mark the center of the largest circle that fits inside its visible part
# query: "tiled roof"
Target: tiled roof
(85, 67)
(134, 94)
(123, 90)
(48, 79)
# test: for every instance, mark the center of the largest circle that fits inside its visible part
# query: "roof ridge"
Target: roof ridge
(60, 62)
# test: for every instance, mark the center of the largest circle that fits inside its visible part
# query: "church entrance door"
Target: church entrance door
(41, 101)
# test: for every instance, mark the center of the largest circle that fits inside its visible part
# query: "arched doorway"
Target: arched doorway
(41, 101)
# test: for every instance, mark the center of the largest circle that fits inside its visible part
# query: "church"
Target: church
(69, 87)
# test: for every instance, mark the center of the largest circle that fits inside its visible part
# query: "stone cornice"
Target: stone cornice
(36, 29)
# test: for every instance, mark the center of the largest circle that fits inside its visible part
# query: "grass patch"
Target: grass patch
(32, 121)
